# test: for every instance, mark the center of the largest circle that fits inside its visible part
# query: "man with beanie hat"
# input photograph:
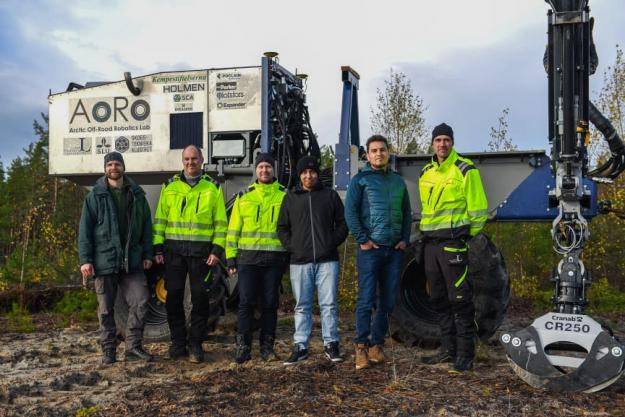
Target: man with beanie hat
(255, 253)
(115, 246)
(454, 209)
(311, 226)
(190, 227)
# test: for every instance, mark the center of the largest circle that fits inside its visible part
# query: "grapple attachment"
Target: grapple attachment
(565, 353)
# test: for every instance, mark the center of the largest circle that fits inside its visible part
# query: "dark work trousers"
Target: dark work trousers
(134, 289)
(262, 283)
(451, 294)
(176, 269)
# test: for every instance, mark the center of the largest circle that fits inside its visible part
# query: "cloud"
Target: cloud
(468, 60)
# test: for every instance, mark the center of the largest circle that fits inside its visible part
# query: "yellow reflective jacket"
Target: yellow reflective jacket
(253, 223)
(452, 198)
(190, 221)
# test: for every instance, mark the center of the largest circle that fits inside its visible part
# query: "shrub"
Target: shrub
(19, 320)
(80, 306)
(603, 297)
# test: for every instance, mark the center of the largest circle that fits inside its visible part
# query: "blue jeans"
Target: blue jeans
(304, 278)
(378, 269)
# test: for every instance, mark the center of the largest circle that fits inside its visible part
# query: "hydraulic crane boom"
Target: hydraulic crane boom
(566, 350)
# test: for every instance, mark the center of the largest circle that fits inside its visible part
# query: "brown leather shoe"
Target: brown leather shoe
(376, 354)
(362, 359)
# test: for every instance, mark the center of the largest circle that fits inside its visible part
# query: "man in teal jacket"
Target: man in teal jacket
(115, 246)
(377, 213)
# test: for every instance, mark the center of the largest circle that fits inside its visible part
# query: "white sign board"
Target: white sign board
(87, 123)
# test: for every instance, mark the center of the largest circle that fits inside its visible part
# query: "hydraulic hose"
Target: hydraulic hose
(616, 164)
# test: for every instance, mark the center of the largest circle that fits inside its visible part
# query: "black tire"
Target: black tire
(414, 322)
(156, 327)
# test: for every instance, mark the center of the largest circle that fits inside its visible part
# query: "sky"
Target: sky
(467, 60)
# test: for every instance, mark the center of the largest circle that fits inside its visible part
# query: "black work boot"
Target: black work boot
(178, 350)
(442, 356)
(463, 364)
(137, 353)
(109, 356)
(266, 349)
(196, 353)
(243, 352)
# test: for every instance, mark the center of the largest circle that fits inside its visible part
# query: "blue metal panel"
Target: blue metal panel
(349, 133)
(265, 106)
(530, 200)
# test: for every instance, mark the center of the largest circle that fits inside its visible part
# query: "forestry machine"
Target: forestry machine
(566, 350)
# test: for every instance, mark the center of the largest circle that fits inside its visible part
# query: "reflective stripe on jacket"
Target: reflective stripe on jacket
(254, 219)
(191, 220)
(452, 198)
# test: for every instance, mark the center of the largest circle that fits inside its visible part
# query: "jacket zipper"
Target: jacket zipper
(197, 204)
(312, 228)
(184, 203)
(272, 209)
(439, 196)
(129, 226)
(430, 196)
(257, 213)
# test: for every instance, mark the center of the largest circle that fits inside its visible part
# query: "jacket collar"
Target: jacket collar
(385, 170)
(101, 185)
(265, 188)
(451, 159)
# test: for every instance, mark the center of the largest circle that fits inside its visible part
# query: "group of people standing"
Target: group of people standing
(271, 228)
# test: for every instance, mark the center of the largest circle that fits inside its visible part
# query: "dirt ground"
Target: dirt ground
(58, 373)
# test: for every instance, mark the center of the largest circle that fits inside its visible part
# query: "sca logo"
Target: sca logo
(116, 108)
(183, 97)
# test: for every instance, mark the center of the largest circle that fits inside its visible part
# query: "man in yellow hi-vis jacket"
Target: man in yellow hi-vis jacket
(454, 209)
(254, 251)
(189, 236)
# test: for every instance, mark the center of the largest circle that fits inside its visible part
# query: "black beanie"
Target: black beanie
(443, 129)
(307, 162)
(265, 157)
(114, 156)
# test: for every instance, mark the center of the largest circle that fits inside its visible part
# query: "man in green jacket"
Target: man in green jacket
(190, 227)
(115, 246)
(454, 209)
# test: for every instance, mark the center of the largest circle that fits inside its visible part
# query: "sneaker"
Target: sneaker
(196, 354)
(440, 357)
(109, 356)
(299, 354)
(362, 357)
(463, 364)
(332, 352)
(376, 354)
(137, 353)
(178, 351)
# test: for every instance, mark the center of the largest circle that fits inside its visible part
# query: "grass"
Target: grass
(19, 320)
